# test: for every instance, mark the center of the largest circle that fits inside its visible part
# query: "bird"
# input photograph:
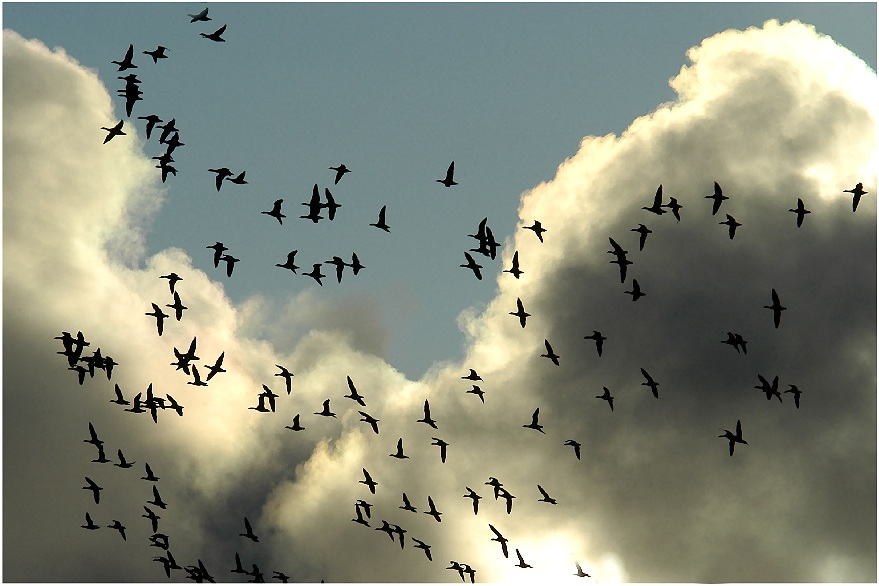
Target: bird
(496, 484)
(136, 408)
(288, 264)
(315, 273)
(219, 249)
(515, 270)
(126, 61)
(456, 566)
(432, 512)
(82, 372)
(113, 131)
(580, 573)
(203, 15)
(471, 264)
(636, 292)
(314, 206)
(158, 53)
(465, 568)
(287, 375)
(769, 389)
(173, 279)
(734, 438)
(160, 318)
(675, 208)
(574, 444)
(355, 264)
(222, 173)
(549, 353)
(733, 340)
(354, 396)
(399, 531)
(123, 463)
(478, 392)
(93, 437)
(196, 378)
(427, 419)
(471, 494)
(642, 231)
(96, 490)
(623, 262)
(340, 171)
(776, 308)
(276, 211)
(168, 562)
(718, 198)
(652, 384)
(340, 266)
(296, 426)
(534, 425)
(421, 545)
(360, 518)
(149, 473)
(270, 395)
(119, 400)
(656, 208)
(151, 122)
(796, 392)
(248, 531)
(800, 211)
(102, 458)
(158, 539)
(448, 181)
(215, 36)
(731, 222)
(520, 312)
(280, 576)
(370, 420)
(217, 367)
(381, 224)
(89, 524)
(537, 228)
(331, 204)
(407, 506)
(442, 446)
(237, 179)
(599, 340)
(173, 404)
(857, 191)
(230, 263)
(326, 410)
(399, 453)
(177, 306)
(157, 499)
(546, 498)
(119, 527)
(386, 527)
(362, 504)
(472, 376)
(238, 569)
(521, 563)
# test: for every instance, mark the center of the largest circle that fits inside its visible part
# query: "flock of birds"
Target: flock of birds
(487, 246)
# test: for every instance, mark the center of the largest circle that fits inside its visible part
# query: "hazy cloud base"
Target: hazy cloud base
(771, 114)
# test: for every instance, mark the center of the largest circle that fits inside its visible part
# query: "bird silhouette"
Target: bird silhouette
(96, 490)
(360, 518)
(237, 179)
(126, 61)
(201, 16)
(734, 438)
(372, 421)
(537, 228)
(580, 573)
(636, 292)
(857, 191)
(136, 408)
(386, 527)
(219, 249)
(119, 400)
(770, 389)
(215, 36)
(731, 222)
(288, 264)
(550, 354)
(521, 563)
(407, 506)
(158, 53)
(167, 128)
(270, 396)
(160, 318)
(326, 410)
(354, 395)
(238, 569)
(173, 404)
(642, 231)
(177, 306)
(157, 499)
(800, 211)
(652, 384)
(173, 279)
(381, 223)
(149, 474)
(399, 453)
(421, 545)
(514, 270)
(675, 208)
(230, 263)
(478, 392)
(340, 266)
(520, 312)
(362, 504)
(733, 341)
(196, 378)
(113, 131)
(248, 531)
(314, 206)
(89, 524)
(123, 463)
(331, 205)
(368, 481)
(119, 527)
(776, 308)
(471, 494)
(599, 340)
(574, 444)
(276, 211)
(315, 273)
(93, 437)
(546, 498)
(217, 367)
(718, 198)
(432, 510)
(442, 446)
(151, 122)
(471, 264)
(496, 484)
(222, 173)
(426, 419)
(296, 426)
(796, 392)
(102, 457)
(449, 179)
(534, 425)
(456, 566)
(340, 171)
(355, 264)
(261, 404)
(656, 207)
(472, 376)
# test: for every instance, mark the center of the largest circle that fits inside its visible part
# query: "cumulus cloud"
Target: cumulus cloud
(771, 114)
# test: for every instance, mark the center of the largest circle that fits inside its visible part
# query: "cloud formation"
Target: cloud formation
(771, 114)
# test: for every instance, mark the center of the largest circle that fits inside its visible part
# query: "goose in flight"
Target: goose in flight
(123, 463)
(369, 482)
(549, 353)
(173, 278)
(656, 208)
(118, 527)
(360, 518)
(158, 53)
(496, 484)
(370, 420)
(521, 563)
(636, 292)
(381, 224)
(449, 179)
(326, 410)
(238, 179)
(296, 426)
(399, 453)
(217, 367)
(230, 263)
(421, 545)
(796, 392)
(314, 206)
(427, 419)
(472, 376)
(500, 539)
(514, 270)
(219, 249)
(102, 457)
(114, 131)
(261, 404)
(652, 384)
(675, 208)
(407, 506)
(126, 61)
(580, 573)
(769, 389)
(471, 494)
(471, 264)
(734, 340)
(624, 263)
(574, 444)
(196, 378)
(248, 531)
(173, 404)
(289, 262)
(800, 211)
(340, 266)
(276, 211)
(734, 438)
(177, 306)
(731, 222)
(331, 205)
(718, 198)
(215, 36)
(442, 446)
(478, 392)
(857, 191)
(222, 173)
(149, 473)
(546, 498)
(89, 524)
(354, 395)
(119, 400)
(534, 424)
(537, 228)
(599, 340)
(520, 312)
(96, 490)
(201, 16)
(340, 171)
(776, 308)
(315, 273)
(432, 510)
(355, 264)
(157, 499)
(93, 437)
(642, 231)
(160, 318)
(151, 122)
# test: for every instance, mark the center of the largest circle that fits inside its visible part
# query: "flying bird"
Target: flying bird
(471, 264)
(248, 531)
(360, 518)
(642, 231)
(407, 506)
(636, 292)
(399, 453)
(796, 392)
(354, 395)
(534, 425)
(370, 420)
(368, 481)
(215, 36)
(93, 437)
(96, 490)
(315, 274)
(718, 198)
(426, 419)
(296, 426)
(355, 264)
(599, 340)
(731, 222)
(340, 266)
(549, 353)
(421, 545)
(160, 317)
(173, 278)
(520, 312)
(230, 263)
(149, 474)
(776, 308)
(478, 392)
(151, 121)
(196, 378)
(442, 446)
(675, 208)
(177, 407)
(126, 61)
(123, 463)
(449, 179)
(340, 171)
(119, 527)
(546, 498)
(514, 270)
(289, 262)
(580, 573)
(857, 191)
(574, 444)
(521, 563)
(203, 15)
(177, 306)
(800, 211)
(537, 228)
(432, 512)
(472, 376)
(102, 457)
(157, 499)
(381, 224)
(114, 131)
(652, 384)
(219, 249)
(331, 205)
(119, 400)
(471, 494)
(237, 179)
(656, 207)
(89, 524)
(158, 53)
(314, 206)
(217, 368)
(734, 438)
(222, 173)
(326, 410)
(770, 389)
(276, 211)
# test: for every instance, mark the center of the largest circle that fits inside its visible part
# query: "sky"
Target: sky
(570, 114)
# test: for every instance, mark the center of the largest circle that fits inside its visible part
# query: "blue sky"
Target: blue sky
(571, 114)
